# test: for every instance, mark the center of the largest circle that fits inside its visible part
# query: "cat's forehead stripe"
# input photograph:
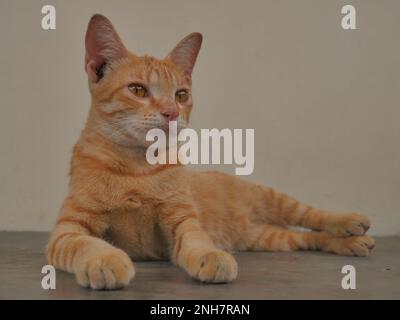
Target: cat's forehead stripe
(154, 76)
(171, 76)
(160, 75)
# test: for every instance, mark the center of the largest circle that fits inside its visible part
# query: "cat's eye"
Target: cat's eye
(182, 96)
(138, 90)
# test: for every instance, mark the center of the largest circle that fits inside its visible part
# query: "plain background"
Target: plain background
(324, 102)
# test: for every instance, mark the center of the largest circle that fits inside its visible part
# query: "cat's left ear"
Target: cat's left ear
(185, 53)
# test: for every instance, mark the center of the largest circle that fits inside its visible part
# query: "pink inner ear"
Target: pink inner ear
(91, 69)
(184, 55)
(93, 49)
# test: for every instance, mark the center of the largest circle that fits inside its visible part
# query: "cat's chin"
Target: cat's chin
(130, 142)
(140, 139)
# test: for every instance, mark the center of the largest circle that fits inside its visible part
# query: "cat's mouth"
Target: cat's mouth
(164, 126)
(168, 127)
(171, 126)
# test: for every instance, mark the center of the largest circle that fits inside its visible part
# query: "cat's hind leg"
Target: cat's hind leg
(267, 237)
(295, 213)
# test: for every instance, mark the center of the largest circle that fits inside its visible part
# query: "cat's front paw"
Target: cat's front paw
(351, 224)
(216, 267)
(112, 270)
(360, 246)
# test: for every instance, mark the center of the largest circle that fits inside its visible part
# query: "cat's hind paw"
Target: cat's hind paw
(351, 224)
(360, 246)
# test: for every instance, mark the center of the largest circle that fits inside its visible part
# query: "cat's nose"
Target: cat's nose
(170, 115)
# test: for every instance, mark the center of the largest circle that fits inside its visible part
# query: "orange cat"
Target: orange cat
(119, 206)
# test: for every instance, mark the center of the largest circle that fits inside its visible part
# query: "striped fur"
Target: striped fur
(119, 207)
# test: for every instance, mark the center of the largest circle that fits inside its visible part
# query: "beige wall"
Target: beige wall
(324, 102)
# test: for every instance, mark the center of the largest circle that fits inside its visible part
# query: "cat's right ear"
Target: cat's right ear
(103, 45)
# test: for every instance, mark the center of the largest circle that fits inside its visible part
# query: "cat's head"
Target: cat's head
(132, 94)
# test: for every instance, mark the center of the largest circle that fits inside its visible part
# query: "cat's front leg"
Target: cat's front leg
(95, 263)
(192, 249)
(76, 246)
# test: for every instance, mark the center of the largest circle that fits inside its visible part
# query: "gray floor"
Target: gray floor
(299, 275)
